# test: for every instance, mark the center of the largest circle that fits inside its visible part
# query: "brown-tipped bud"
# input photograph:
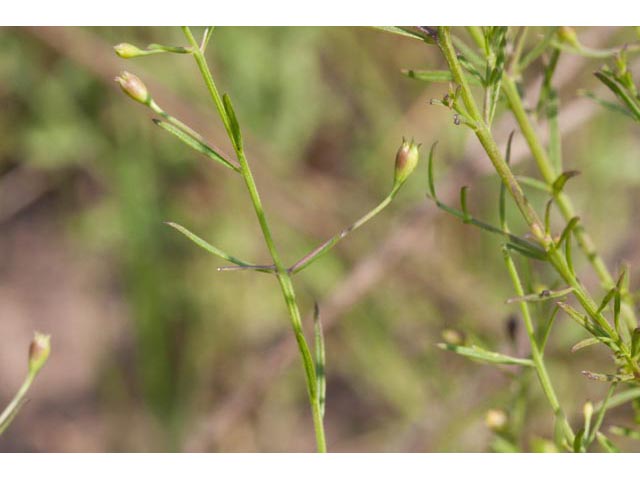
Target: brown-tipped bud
(406, 161)
(133, 86)
(127, 50)
(496, 419)
(39, 351)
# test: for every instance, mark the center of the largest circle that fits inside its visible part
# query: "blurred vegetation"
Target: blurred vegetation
(154, 350)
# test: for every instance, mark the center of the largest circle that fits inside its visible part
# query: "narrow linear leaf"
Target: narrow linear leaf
(430, 76)
(405, 32)
(611, 83)
(468, 52)
(432, 188)
(606, 444)
(196, 144)
(613, 107)
(321, 378)
(542, 296)
(538, 49)
(547, 216)
(578, 445)
(233, 121)
(625, 432)
(622, 398)
(607, 298)
(544, 334)
(567, 253)
(561, 181)
(607, 377)
(463, 204)
(567, 230)
(207, 246)
(587, 342)
(483, 355)
(635, 342)
(527, 252)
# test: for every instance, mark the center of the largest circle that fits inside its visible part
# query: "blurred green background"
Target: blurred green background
(154, 350)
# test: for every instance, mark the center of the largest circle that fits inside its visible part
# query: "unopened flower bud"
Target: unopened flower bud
(452, 336)
(127, 50)
(587, 410)
(133, 86)
(38, 352)
(406, 161)
(496, 419)
(568, 36)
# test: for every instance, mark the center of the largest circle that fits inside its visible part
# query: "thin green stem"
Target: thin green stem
(562, 200)
(555, 257)
(322, 249)
(537, 355)
(14, 406)
(604, 405)
(283, 275)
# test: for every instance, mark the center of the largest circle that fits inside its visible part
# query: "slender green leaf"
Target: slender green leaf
(195, 143)
(606, 444)
(207, 246)
(614, 107)
(543, 296)
(578, 445)
(321, 378)
(560, 182)
(607, 377)
(567, 230)
(432, 188)
(587, 342)
(625, 432)
(405, 32)
(463, 204)
(233, 121)
(635, 342)
(483, 355)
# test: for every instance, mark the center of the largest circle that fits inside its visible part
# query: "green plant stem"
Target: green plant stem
(562, 200)
(14, 406)
(537, 355)
(555, 256)
(283, 275)
(319, 251)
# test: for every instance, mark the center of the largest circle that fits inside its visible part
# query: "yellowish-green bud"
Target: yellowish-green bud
(496, 419)
(568, 36)
(452, 336)
(133, 86)
(127, 50)
(406, 161)
(39, 351)
(587, 410)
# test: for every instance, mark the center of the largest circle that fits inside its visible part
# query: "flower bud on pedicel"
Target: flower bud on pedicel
(496, 419)
(406, 161)
(568, 36)
(127, 50)
(133, 86)
(39, 351)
